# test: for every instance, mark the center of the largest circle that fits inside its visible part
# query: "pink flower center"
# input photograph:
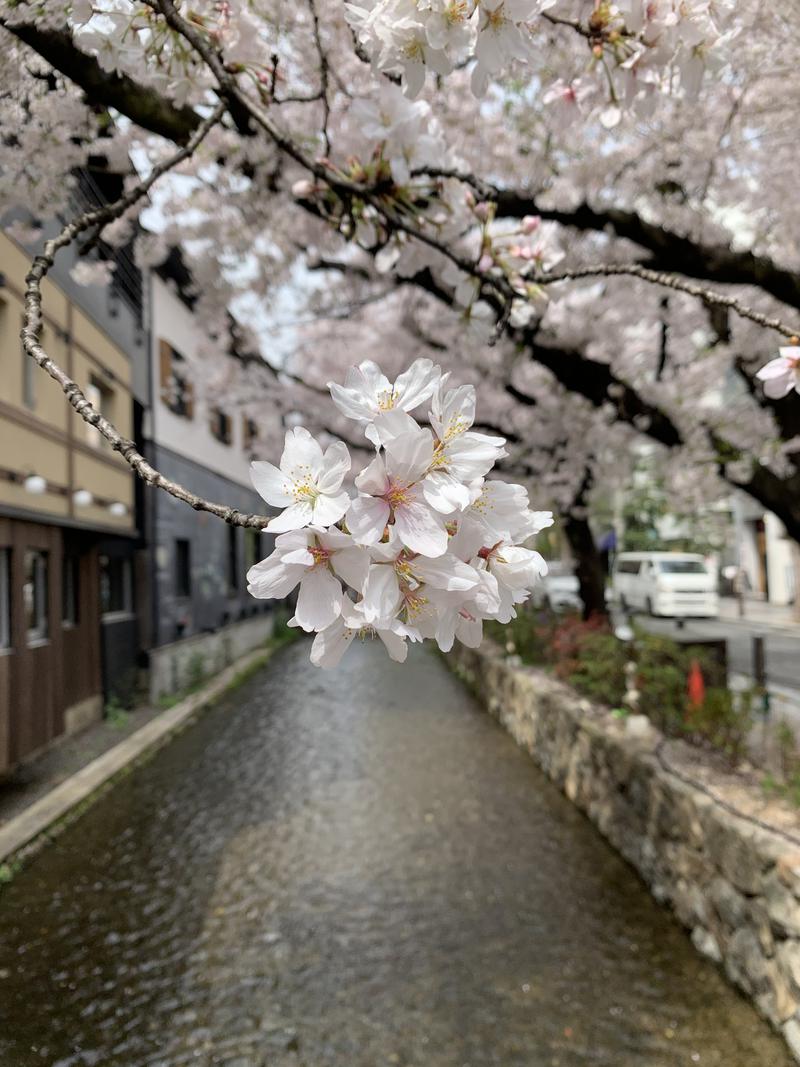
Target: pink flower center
(397, 496)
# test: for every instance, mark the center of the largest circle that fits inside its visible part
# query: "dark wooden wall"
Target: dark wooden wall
(38, 683)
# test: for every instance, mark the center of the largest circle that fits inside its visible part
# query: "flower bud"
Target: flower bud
(303, 189)
(531, 223)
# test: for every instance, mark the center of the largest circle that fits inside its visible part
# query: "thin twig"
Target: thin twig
(323, 77)
(32, 332)
(670, 281)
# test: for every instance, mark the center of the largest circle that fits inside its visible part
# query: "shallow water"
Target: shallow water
(351, 869)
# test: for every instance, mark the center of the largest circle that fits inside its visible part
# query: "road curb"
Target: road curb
(23, 831)
(785, 629)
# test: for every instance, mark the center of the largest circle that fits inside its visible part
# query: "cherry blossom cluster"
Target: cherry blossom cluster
(640, 41)
(428, 547)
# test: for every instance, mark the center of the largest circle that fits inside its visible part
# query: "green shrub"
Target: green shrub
(724, 720)
(598, 669)
(587, 655)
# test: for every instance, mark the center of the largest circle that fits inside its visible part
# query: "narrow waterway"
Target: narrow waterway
(351, 869)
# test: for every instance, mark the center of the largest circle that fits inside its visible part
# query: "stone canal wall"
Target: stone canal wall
(705, 841)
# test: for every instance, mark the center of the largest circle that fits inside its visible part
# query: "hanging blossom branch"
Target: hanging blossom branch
(32, 332)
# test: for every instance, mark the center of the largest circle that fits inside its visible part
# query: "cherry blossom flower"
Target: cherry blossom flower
(367, 393)
(499, 511)
(516, 570)
(308, 484)
(396, 570)
(313, 558)
(460, 456)
(781, 374)
(392, 489)
(331, 643)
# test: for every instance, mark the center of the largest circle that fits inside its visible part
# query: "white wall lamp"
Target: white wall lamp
(35, 484)
(82, 498)
(118, 509)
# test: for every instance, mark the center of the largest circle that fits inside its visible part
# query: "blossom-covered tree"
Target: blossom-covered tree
(586, 205)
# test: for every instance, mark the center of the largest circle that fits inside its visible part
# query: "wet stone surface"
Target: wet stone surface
(351, 869)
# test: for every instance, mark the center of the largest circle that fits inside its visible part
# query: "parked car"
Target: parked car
(672, 584)
(558, 590)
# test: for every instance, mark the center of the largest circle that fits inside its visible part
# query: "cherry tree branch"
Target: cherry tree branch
(33, 321)
(144, 106)
(670, 281)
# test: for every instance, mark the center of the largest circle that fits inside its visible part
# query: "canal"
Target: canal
(351, 869)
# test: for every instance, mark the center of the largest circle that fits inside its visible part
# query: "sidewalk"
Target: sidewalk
(35, 800)
(758, 612)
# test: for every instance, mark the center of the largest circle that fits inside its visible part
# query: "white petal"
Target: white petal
(446, 630)
(372, 479)
(777, 388)
(301, 453)
(331, 644)
(409, 456)
(351, 404)
(293, 518)
(776, 368)
(445, 493)
(352, 564)
(395, 645)
(446, 572)
(299, 557)
(336, 463)
(271, 483)
(382, 597)
(391, 424)
(421, 529)
(329, 509)
(416, 384)
(367, 518)
(272, 578)
(319, 601)
(469, 631)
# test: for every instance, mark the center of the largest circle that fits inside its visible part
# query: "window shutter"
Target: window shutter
(165, 368)
(188, 395)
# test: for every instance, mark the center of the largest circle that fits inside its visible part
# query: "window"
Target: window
(177, 391)
(249, 434)
(628, 566)
(183, 568)
(233, 560)
(34, 596)
(116, 590)
(221, 426)
(100, 396)
(682, 566)
(252, 548)
(5, 598)
(69, 591)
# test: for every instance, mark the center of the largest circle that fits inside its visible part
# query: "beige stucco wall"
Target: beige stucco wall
(39, 433)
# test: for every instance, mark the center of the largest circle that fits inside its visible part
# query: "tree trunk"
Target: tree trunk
(589, 568)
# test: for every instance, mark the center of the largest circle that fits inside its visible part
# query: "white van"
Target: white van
(675, 584)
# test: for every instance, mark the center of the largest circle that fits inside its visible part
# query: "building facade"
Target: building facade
(766, 555)
(198, 581)
(68, 633)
